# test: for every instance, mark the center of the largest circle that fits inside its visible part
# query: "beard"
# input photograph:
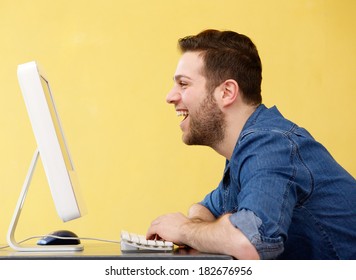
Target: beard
(207, 125)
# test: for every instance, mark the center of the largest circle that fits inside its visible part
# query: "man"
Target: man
(282, 194)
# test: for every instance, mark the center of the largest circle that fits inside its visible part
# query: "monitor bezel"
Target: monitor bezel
(62, 178)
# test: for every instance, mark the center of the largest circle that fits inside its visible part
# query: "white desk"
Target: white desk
(110, 251)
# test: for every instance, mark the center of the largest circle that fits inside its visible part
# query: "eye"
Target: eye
(183, 84)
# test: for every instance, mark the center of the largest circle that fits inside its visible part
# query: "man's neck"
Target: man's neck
(235, 122)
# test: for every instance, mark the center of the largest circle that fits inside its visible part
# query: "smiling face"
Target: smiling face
(203, 122)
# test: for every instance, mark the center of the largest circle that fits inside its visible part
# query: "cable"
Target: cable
(65, 238)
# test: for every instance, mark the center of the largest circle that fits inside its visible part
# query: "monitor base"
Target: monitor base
(12, 228)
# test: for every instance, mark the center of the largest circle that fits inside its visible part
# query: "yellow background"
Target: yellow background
(110, 64)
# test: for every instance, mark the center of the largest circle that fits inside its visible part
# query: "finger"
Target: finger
(155, 222)
(151, 233)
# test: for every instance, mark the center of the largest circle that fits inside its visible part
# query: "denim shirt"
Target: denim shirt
(287, 194)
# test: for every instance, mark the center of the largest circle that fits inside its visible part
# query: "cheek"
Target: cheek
(191, 98)
(186, 98)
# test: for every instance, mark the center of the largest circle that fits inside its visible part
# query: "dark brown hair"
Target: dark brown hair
(228, 55)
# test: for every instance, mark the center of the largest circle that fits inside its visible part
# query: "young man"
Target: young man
(282, 194)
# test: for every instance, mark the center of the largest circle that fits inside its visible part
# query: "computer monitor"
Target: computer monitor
(52, 149)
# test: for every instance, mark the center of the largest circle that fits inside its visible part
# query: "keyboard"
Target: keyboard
(134, 242)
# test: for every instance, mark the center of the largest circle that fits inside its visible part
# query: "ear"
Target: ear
(229, 92)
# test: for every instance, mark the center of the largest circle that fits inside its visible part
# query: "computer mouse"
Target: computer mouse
(50, 239)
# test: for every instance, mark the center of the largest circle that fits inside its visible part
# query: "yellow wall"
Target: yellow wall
(111, 64)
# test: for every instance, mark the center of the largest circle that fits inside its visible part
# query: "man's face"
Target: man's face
(203, 122)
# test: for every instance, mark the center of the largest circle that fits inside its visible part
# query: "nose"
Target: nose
(173, 96)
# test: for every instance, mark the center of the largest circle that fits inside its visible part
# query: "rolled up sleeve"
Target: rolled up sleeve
(251, 226)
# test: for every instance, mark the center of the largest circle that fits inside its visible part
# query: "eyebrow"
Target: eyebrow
(179, 77)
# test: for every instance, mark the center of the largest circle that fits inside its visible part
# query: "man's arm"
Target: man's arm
(211, 235)
(200, 212)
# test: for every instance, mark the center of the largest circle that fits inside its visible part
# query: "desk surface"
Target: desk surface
(108, 251)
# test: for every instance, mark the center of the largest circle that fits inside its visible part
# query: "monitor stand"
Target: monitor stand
(11, 232)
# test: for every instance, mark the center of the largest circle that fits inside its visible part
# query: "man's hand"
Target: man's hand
(168, 227)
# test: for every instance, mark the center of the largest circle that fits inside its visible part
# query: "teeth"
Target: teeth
(182, 113)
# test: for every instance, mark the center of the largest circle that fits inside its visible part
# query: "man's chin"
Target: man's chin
(191, 141)
(187, 139)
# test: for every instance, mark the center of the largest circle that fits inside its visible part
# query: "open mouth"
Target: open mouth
(183, 113)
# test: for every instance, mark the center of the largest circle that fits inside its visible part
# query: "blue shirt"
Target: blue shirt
(287, 194)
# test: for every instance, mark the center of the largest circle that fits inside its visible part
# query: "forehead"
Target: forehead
(190, 65)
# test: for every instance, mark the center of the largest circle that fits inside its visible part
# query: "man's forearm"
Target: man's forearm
(219, 236)
(200, 212)
(202, 231)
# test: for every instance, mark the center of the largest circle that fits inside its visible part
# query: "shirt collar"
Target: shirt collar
(253, 118)
(250, 121)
